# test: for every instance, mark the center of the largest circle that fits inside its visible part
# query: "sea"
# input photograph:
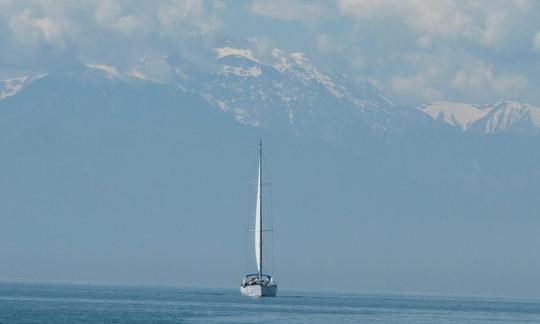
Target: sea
(91, 303)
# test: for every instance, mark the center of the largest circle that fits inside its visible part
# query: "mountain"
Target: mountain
(10, 87)
(501, 117)
(284, 91)
(287, 92)
(119, 175)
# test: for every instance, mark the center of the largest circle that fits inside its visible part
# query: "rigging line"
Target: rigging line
(271, 194)
(246, 250)
(273, 252)
(270, 211)
(248, 220)
(267, 210)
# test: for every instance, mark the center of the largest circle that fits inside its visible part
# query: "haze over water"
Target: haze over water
(75, 303)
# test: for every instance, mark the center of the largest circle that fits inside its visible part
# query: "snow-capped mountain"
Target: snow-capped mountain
(287, 90)
(503, 116)
(10, 87)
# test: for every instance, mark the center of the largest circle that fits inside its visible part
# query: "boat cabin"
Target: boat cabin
(253, 279)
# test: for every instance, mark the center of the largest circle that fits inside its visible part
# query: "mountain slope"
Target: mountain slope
(10, 87)
(501, 117)
(288, 91)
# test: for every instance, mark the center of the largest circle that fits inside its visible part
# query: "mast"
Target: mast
(260, 213)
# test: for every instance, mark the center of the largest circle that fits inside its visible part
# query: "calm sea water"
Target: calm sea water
(63, 303)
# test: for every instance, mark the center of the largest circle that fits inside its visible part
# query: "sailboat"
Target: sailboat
(259, 284)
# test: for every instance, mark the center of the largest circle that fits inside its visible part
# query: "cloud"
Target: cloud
(455, 76)
(110, 14)
(536, 41)
(32, 30)
(416, 50)
(487, 22)
(326, 44)
(495, 28)
(416, 86)
(112, 30)
(481, 77)
(439, 18)
(308, 12)
(422, 50)
(189, 16)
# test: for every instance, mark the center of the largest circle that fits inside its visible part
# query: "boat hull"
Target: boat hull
(259, 290)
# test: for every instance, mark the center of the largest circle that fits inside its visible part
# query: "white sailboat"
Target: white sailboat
(259, 284)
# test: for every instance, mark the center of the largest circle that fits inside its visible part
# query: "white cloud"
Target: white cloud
(110, 15)
(481, 77)
(417, 50)
(456, 50)
(495, 28)
(524, 4)
(325, 44)
(424, 41)
(308, 12)
(485, 21)
(358, 61)
(50, 29)
(193, 15)
(448, 75)
(442, 18)
(91, 28)
(365, 8)
(31, 30)
(261, 47)
(417, 86)
(510, 84)
(536, 41)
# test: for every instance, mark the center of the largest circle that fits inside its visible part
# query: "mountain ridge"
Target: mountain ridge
(287, 90)
(500, 117)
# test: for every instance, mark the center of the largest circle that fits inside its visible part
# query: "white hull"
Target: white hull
(259, 291)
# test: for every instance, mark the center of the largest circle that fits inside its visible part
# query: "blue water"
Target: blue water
(63, 303)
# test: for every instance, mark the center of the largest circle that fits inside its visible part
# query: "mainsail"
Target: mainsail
(258, 218)
(259, 284)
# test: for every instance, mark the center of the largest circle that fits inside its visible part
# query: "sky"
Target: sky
(416, 51)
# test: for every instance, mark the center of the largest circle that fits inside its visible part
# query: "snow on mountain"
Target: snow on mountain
(10, 87)
(110, 71)
(503, 116)
(142, 76)
(253, 71)
(509, 116)
(456, 114)
(229, 51)
(287, 89)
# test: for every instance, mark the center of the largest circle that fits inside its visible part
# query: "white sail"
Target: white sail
(258, 225)
(259, 284)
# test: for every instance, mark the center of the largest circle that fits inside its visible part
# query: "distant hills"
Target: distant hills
(287, 91)
(501, 117)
